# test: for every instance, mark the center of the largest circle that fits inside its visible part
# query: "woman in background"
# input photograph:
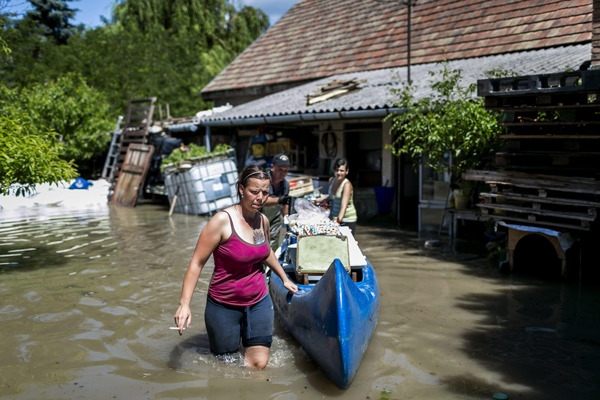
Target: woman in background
(342, 193)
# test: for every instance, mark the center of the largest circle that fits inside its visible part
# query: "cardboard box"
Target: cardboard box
(280, 146)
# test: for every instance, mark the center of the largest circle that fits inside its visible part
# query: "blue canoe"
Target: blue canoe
(333, 320)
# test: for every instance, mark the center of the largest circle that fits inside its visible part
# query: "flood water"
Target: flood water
(87, 299)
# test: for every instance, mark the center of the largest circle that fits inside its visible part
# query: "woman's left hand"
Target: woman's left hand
(291, 286)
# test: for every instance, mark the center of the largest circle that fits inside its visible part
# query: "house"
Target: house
(319, 80)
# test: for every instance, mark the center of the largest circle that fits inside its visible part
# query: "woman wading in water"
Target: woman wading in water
(238, 304)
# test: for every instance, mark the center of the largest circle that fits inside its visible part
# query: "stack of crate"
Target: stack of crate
(547, 174)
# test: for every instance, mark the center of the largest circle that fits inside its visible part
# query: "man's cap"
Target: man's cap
(281, 160)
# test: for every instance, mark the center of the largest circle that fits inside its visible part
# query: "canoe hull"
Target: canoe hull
(332, 320)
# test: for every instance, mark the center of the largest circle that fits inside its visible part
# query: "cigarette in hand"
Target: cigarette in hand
(175, 327)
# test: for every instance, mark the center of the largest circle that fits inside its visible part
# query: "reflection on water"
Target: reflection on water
(88, 299)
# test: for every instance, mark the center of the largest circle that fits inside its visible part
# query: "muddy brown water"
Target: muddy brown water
(86, 300)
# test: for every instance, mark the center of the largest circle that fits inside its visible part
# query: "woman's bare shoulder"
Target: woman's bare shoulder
(220, 219)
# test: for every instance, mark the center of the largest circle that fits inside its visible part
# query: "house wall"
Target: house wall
(596, 33)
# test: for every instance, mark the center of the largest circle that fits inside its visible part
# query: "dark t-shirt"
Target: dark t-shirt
(282, 190)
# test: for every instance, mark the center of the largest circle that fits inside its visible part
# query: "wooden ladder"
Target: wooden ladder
(135, 130)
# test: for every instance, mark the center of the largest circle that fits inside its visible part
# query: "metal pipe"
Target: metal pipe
(207, 138)
(409, 6)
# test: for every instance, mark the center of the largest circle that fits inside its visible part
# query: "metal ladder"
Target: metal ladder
(113, 152)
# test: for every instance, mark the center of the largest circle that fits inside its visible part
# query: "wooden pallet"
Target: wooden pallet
(553, 201)
(132, 175)
(581, 160)
(554, 83)
(540, 182)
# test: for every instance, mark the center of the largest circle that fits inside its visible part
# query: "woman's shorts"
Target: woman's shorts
(351, 225)
(226, 324)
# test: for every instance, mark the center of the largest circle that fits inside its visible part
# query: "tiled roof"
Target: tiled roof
(375, 93)
(319, 38)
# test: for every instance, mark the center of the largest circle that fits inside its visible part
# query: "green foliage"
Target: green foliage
(450, 120)
(169, 50)
(221, 148)
(29, 61)
(53, 16)
(192, 153)
(28, 156)
(4, 47)
(128, 64)
(215, 21)
(69, 107)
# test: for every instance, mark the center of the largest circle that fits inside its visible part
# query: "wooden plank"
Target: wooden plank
(535, 181)
(133, 169)
(541, 124)
(584, 225)
(132, 175)
(546, 136)
(139, 116)
(140, 108)
(520, 108)
(532, 211)
(542, 159)
(549, 200)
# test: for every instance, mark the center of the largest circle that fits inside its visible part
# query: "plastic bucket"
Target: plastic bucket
(461, 202)
(385, 197)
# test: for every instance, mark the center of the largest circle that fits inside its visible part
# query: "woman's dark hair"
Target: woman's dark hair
(251, 171)
(340, 162)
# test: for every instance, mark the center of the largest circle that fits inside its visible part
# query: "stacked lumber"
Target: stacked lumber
(547, 200)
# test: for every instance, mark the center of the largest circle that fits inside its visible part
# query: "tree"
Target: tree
(67, 106)
(139, 54)
(28, 155)
(53, 16)
(450, 120)
(212, 20)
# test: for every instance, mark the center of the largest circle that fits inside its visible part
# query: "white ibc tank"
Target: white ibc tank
(205, 188)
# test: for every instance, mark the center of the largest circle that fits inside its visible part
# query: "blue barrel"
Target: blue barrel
(385, 197)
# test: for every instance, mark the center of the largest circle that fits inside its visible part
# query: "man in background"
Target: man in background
(277, 205)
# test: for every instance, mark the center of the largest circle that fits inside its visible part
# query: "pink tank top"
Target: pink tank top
(238, 279)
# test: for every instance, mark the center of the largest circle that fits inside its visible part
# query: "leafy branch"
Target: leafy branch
(451, 120)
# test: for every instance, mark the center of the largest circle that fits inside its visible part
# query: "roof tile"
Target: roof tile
(375, 93)
(319, 38)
